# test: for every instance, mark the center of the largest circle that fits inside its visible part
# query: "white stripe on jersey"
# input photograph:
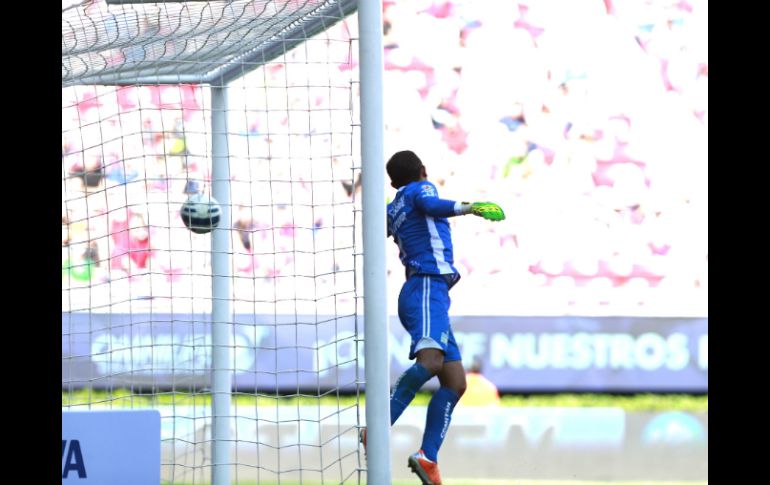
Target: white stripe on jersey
(438, 247)
(426, 306)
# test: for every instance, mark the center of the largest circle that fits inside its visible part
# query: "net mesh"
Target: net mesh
(137, 284)
(129, 42)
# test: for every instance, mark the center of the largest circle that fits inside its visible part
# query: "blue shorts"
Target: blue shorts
(423, 308)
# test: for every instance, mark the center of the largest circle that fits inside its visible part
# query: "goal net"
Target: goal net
(254, 103)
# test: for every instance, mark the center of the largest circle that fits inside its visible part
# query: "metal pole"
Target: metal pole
(376, 352)
(221, 305)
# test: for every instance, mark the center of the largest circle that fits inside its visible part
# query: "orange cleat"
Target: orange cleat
(425, 469)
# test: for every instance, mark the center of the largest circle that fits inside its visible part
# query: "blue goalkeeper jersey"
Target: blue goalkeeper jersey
(417, 220)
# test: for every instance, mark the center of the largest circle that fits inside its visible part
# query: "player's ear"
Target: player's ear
(424, 172)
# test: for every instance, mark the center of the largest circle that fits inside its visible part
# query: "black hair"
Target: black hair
(404, 167)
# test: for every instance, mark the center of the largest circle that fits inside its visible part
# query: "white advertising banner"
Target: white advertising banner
(290, 352)
(110, 447)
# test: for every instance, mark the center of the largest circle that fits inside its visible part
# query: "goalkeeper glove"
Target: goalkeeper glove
(487, 210)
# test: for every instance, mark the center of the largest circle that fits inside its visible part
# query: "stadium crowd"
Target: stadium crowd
(586, 120)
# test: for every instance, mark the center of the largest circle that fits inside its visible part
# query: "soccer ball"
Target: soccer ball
(200, 213)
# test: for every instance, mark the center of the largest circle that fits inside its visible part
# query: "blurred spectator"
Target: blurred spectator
(80, 269)
(139, 240)
(244, 224)
(121, 172)
(65, 230)
(91, 172)
(119, 234)
(130, 240)
(351, 187)
(92, 253)
(598, 143)
(191, 187)
(480, 391)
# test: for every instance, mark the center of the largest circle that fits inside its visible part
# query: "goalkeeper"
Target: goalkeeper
(417, 220)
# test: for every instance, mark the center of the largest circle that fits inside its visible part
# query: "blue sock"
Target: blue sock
(437, 422)
(406, 387)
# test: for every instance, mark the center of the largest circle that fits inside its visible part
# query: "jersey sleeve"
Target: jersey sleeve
(427, 201)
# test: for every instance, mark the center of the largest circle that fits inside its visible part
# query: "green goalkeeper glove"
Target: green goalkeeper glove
(488, 210)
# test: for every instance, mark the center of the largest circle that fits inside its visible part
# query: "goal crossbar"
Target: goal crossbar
(259, 41)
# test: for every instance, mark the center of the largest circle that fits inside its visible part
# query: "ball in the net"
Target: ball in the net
(200, 213)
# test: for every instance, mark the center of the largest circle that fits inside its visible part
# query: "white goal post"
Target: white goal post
(268, 107)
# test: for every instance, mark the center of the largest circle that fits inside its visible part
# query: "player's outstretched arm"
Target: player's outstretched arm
(488, 210)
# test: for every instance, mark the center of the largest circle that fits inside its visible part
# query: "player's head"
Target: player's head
(405, 167)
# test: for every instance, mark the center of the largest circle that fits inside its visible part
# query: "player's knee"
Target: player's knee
(456, 384)
(432, 365)
(431, 359)
(461, 388)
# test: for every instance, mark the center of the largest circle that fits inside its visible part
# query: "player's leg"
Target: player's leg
(406, 388)
(424, 463)
(412, 301)
(411, 305)
(442, 404)
(451, 376)
(404, 391)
